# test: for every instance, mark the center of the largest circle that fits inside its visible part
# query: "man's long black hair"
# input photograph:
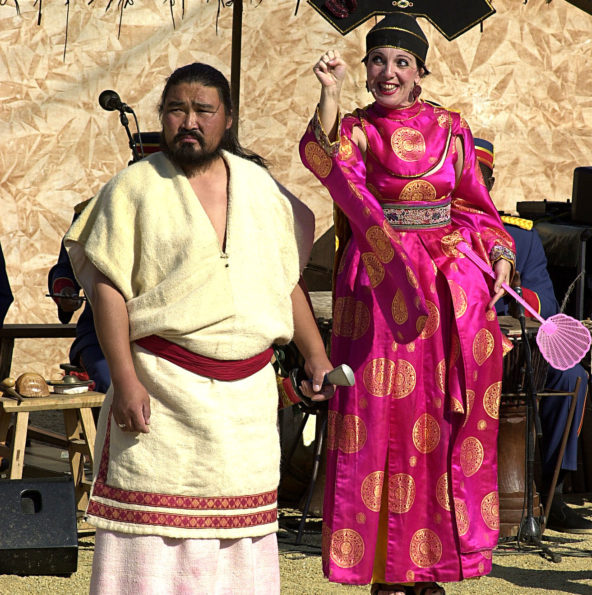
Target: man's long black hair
(209, 76)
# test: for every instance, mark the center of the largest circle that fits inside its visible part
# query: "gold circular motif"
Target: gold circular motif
(443, 491)
(443, 120)
(346, 149)
(361, 518)
(374, 268)
(420, 323)
(481, 568)
(483, 345)
(490, 315)
(351, 318)
(418, 190)
(379, 376)
(347, 548)
(487, 554)
(425, 548)
(441, 375)
(471, 455)
(426, 433)
(433, 322)
(481, 425)
(408, 144)
(457, 406)
(353, 434)
(371, 490)
(437, 403)
(437, 518)
(333, 429)
(492, 398)
(410, 576)
(459, 298)
(411, 278)
(490, 510)
(449, 242)
(380, 243)
(355, 190)
(410, 347)
(461, 514)
(405, 379)
(318, 160)
(399, 308)
(401, 493)
(412, 461)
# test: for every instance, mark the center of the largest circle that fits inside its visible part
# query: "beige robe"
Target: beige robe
(210, 465)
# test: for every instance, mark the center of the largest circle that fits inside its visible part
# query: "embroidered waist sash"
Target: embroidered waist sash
(405, 216)
(225, 370)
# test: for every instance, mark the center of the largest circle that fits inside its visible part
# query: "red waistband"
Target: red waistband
(217, 369)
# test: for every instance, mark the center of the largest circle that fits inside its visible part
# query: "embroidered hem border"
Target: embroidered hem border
(417, 216)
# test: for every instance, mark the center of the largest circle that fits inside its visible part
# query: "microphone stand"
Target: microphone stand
(529, 532)
(132, 144)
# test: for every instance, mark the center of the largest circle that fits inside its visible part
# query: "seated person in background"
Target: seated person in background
(5, 293)
(85, 352)
(537, 288)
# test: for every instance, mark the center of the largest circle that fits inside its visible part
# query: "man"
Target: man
(85, 351)
(537, 288)
(191, 259)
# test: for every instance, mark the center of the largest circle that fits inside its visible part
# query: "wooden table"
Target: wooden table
(10, 332)
(79, 439)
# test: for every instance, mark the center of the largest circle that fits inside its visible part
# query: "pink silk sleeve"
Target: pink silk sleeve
(341, 169)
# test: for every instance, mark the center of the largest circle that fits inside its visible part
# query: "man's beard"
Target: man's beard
(184, 155)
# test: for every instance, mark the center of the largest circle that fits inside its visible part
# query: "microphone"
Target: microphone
(110, 101)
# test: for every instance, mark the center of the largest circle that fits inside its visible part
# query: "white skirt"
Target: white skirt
(149, 564)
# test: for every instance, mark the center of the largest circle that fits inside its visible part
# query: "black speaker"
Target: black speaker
(581, 196)
(38, 526)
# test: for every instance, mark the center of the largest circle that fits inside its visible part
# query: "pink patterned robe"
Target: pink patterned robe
(418, 431)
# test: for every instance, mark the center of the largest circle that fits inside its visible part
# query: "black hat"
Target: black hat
(401, 31)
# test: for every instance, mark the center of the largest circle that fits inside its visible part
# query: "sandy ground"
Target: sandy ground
(513, 571)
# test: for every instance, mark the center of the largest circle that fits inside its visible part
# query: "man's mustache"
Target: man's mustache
(185, 133)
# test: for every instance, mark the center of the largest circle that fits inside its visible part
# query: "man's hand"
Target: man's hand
(315, 368)
(131, 406)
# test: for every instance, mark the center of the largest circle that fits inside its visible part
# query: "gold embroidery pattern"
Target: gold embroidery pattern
(333, 429)
(399, 308)
(426, 433)
(418, 190)
(353, 434)
(371, 490)
(443, 121)
(318, 160)
(346, 150)
(457, 406)
(487, 554)
(379, 377)
(410, 576)
(411, 278)
(483, 345)
(351, 318)
(459, 298)
(425, 548)
(491, 399)
(443, 492)
(449, 243)
(490, 510)
(460, 204)
(347, 548)
(401, 493)
(405, 379)
(471, 456)
(441, 375)
(408, 144)
(355, 191)
(461, 513)
(374, 269)
(380, 244)
(433, 322)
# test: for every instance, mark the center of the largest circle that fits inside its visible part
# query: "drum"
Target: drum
(512, 425)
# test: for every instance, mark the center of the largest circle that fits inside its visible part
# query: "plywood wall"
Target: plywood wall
(524, 83)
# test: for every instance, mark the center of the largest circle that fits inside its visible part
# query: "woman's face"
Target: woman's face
(391, 75)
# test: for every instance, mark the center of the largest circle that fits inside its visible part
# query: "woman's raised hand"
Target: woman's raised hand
(330, 69)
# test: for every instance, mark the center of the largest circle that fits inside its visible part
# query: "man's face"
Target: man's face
(193, 124)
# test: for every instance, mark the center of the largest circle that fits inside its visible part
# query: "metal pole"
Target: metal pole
(235, 64)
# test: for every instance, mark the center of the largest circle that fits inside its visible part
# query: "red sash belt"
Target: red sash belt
(217, 369)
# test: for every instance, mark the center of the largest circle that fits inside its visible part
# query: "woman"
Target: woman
(411, 492)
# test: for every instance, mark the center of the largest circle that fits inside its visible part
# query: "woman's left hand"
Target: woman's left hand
(315, 368)
(503, 270)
